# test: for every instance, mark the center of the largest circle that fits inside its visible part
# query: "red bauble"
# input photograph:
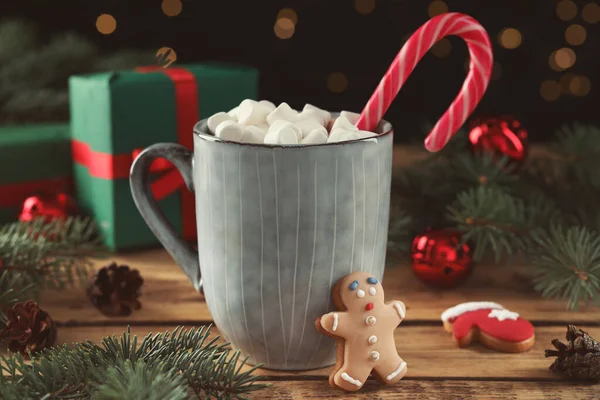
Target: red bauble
(502, 136)
(439, 260)
(58, 206)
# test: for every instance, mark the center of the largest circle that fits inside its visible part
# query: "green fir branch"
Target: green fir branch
(567, 264)
(493, 219)
(138, 381)
(119, 367)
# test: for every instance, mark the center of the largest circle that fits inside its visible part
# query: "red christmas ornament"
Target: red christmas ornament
(49, 207)
(502, 136)
(438, 260)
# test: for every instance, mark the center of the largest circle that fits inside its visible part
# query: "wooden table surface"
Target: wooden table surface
(437, 368)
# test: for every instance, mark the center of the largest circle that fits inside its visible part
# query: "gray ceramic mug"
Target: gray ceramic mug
(277, 227)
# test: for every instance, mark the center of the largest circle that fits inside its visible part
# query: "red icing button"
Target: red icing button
(369, 307)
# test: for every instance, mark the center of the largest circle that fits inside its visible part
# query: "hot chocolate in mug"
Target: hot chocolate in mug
(277, 227)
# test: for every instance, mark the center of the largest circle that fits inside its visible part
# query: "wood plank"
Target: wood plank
(429, 352)
(434, 390)
(168, 296)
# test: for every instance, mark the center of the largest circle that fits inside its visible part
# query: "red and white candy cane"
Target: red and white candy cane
(480, 51)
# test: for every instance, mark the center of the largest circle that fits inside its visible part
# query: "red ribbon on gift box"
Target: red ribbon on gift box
(117, 166)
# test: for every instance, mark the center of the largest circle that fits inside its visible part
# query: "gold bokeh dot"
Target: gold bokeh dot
(442, 48)
(565, 82)
(566, 10)
(510, 38)
(364, 6)
(437, 7)
(165, 56)
(289, 14)
(496, 71)
(171, 8)
(106, 24)
(580, 86)
(284, 28)
(564, 58)
(337, 82)
(591, 13)
(550, 90)
(575, 34)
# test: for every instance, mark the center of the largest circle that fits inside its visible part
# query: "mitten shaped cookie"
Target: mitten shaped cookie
(491, 324)
(364, 330)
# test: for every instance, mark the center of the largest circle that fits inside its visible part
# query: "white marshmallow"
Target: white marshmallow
(233, 113)
(326, 115)
(253, 134)
(341, 135)
(350, 116)
(344, 124)
(263, 127)
(229, 130)
(309, 125)
(316, 136)
(215, 119)
(279, 124)
(267, 104)
(283, 111)
(252, 112)
(286, 135)
(314, 116)
(365, 134)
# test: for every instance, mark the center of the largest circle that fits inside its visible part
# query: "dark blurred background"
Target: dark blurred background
(332, 53)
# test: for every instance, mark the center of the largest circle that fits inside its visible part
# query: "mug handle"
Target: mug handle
(139, 180)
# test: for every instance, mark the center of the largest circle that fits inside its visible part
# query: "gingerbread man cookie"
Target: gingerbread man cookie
(491, 324)
(364, 330)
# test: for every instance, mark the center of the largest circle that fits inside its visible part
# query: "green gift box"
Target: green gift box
(34, 160)
(116, 115)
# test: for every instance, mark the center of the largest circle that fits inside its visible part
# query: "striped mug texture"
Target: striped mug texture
(277, 227)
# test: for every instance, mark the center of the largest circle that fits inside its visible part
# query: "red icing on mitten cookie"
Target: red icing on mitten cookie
(491, 324)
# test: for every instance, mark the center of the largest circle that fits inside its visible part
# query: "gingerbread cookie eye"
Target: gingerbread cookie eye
(353, 285)
(371, 281)
(360, 293)
(372, 291)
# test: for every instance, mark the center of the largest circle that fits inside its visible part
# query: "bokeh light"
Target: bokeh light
(289, 14)
(442, 48)
(550, 90)
(165, 56)
(437, 7)
(580, 86)
(591, 13)
(284, 28)
(337, 82)
(106, 24)
(566, 10)
(575, 35)
(510, 38)
(364, 6)
(171, 8)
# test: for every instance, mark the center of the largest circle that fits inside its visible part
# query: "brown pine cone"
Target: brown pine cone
(28, 329)
(579, 358)
(115, 290)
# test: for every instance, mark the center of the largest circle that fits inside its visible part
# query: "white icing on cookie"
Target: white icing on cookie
(396, 372)
(360, 293)
(370, 320)
(372, 291)
(399, 310)
(372, 339)
(374, 356)
(501, 315)
(462, 308)
(350, 379)
(335, 322)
